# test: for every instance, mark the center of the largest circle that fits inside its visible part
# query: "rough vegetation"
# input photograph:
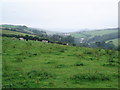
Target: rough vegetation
(34, 64)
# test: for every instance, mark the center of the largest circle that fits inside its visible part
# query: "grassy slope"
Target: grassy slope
(35, 64)
(13, 27)
(93, 33)
(0, 63)
(10, 26)
(78, 35)
(14, 32)
(100, 32)
(115, 41)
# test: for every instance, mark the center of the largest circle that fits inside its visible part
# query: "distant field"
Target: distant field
(9, 26)
(13, 32)
(93, 33)
(78, 35)
(100, 32)
(33, 64)
(115, 41)
(0, 63)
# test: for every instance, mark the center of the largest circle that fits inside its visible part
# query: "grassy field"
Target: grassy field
(1, 63)
(33, 64)
(93, 33)
(9, 26)
(13, 32)
(78, 35)
(100, 32)
(115, 41)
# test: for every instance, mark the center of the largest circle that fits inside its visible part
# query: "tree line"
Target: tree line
(36, 38)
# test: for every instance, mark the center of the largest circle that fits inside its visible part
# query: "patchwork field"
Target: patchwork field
(33, 64)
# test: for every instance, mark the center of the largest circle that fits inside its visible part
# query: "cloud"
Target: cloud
(61, 13)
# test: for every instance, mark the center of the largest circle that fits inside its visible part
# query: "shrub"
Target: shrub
(35, 54)
(110, 64)
(89, 52)
(111, 60)
(79, 64)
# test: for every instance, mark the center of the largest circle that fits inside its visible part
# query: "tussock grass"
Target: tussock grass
(90, 77)
(33, 64)
(41, 75)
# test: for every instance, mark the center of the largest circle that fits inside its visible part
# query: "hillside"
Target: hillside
(115, 41)
(107, 37)
(34, 64)
(29, 30)
(93, 33)
(22, 29)
(94, 36)
(13, 32)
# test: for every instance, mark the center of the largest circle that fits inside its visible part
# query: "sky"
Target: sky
(60, 15)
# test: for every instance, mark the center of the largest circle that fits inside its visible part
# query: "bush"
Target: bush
(79, 64)
(111, 64)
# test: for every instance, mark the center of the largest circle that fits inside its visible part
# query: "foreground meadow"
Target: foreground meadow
(33, 64)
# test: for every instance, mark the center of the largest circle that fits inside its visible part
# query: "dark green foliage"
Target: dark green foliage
(39, 35)
(36, 38)
(19, 59)
(88, 52)
(60, 66)
(90, 77)
(79, 64)
(104, 37)
(39, 74)
(110, 64)
(49, 62)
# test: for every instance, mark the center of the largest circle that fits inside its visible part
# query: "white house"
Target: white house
(45, 41)
(67, 44)
(21, 38)
(81, 40)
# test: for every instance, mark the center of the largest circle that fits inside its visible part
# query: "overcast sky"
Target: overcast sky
(63, 15)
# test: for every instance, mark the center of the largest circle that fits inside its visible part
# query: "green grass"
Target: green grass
(93, 33)
(115, 41)
(0, 63)
(9, 26)
(78, 35)
(33, 64)
(14, 32)
(100, 32)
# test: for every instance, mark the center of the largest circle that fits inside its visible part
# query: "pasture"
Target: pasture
(33, 64)
(115, 41)
(93, 33)
(14, 32)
